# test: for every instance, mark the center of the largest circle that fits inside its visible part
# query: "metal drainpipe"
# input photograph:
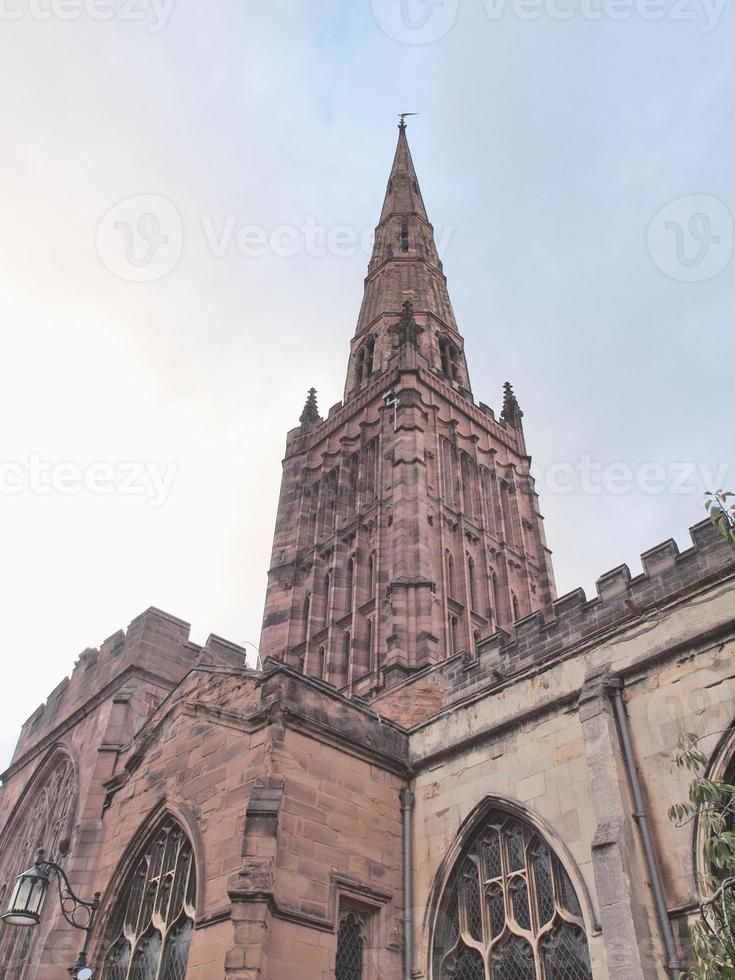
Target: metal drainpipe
(641, 817)
(407, 799)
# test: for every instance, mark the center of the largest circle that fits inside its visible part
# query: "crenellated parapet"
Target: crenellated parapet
(668, 574)
(155, 647)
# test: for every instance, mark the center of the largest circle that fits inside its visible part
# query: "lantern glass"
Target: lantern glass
(27, 898)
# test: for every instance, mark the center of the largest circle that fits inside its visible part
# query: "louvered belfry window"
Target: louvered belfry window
(350, 949)
(510, 911)
(152, 924)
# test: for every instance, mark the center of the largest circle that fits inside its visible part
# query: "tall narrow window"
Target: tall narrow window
(472, 582)
(448, 471)
(448, 358)
(321, 663)
(346, 641)
(350, 949)
(306, 613)
(509, 911)
(369, 643)
(371, 476)
(151, 927)
(371, 577)
(450, 575)
(350, 488)
(365, 358)
(468, 486)
(453, 635)
(508, 515)
(327, 590)
(493, 594)
(350, 583)
(516, 607)
(369, 356)
(404, 236)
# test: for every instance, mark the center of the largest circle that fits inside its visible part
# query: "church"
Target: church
(442, 770)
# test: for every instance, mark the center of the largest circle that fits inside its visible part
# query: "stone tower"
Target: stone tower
(408, 525)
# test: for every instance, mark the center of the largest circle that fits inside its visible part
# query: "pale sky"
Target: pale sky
(576, 163)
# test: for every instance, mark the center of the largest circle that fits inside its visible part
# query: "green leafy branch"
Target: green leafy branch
(722, 512)
(711, 801)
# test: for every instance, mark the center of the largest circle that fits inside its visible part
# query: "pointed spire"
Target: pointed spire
(511, 413)
(405, 263)
(403, 195)
(311, 410)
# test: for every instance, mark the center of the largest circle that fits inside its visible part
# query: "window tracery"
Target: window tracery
(510, 911)
(47, 822)
(153, 921)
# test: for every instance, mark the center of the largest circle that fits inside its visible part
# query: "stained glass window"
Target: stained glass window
(152, 924)
(46, 820)
(510, 911)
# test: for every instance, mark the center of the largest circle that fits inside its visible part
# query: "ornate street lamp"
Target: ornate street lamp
(27, 898)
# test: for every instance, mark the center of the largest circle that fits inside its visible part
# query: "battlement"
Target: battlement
(621, 598)
(156, 644)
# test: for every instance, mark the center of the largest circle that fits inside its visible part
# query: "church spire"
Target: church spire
(403, 195)
(405, 267)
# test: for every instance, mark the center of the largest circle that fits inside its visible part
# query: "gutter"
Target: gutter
(640, 816)
(407, 800)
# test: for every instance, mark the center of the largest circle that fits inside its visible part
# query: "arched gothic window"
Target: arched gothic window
(472, 582)
(493, 594)
(365, 358)
(448, 357)
(151, 926)
(46, 816)
(450, 575)
(453, 636)
(509, 911)
(350, 949)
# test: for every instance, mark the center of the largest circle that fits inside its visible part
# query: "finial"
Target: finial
(402, 117)
(511, 413)
(311, 410)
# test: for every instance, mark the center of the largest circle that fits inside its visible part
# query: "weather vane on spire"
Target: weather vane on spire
(402, 117)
